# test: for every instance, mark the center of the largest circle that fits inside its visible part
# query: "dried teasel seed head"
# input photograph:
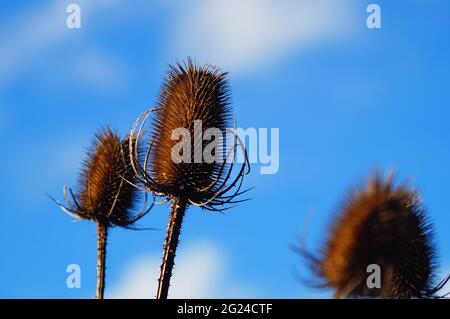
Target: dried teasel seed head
(105, 192)
(382, 224)
(189, 94)
(194, 100)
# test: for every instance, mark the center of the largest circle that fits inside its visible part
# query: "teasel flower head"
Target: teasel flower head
(385, 225)
(193, 100)
(192, 114)
(105, 192)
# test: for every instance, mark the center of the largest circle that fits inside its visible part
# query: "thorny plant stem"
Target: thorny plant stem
(102, 234)
(177, 211)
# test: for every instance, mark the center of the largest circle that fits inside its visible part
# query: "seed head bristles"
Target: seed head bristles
(190, 95)
(385, 225)
(106, 194)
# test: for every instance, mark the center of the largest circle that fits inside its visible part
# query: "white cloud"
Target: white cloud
(98, 70)
(243, 34)
(28, 38)
(138, 280)
(200, 272)
(36, 32)
(236, 34)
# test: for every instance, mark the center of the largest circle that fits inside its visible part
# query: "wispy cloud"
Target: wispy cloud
(201, 272)
(31, 36)
(98, 70)
(243, 34)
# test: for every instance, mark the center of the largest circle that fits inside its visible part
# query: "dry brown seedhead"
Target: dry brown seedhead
(104, 193)
(190, 93)
(193, 100)
(381, 224)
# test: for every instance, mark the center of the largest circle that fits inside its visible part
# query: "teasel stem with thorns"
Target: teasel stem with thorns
(190, 93)
(105, 194)
(380, 224)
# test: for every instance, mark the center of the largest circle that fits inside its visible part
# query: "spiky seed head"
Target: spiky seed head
(105, 194)
(381, 224)
(190, 93)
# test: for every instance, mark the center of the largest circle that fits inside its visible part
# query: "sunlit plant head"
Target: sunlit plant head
(191, 95)
(104, 193)
(194, 103)
(381, 224)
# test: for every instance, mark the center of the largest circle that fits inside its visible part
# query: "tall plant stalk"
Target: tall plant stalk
(102, 237)
(190, 95)
(106, 194)
(177, 211)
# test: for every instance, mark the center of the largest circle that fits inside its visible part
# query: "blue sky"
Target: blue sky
(347, 100)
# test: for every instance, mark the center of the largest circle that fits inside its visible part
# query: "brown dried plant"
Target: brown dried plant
(380, 224)
(104, 195)
(190, 93)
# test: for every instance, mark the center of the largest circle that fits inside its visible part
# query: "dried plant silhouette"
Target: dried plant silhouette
(190, 93)
(104, 196)
(380, 224)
